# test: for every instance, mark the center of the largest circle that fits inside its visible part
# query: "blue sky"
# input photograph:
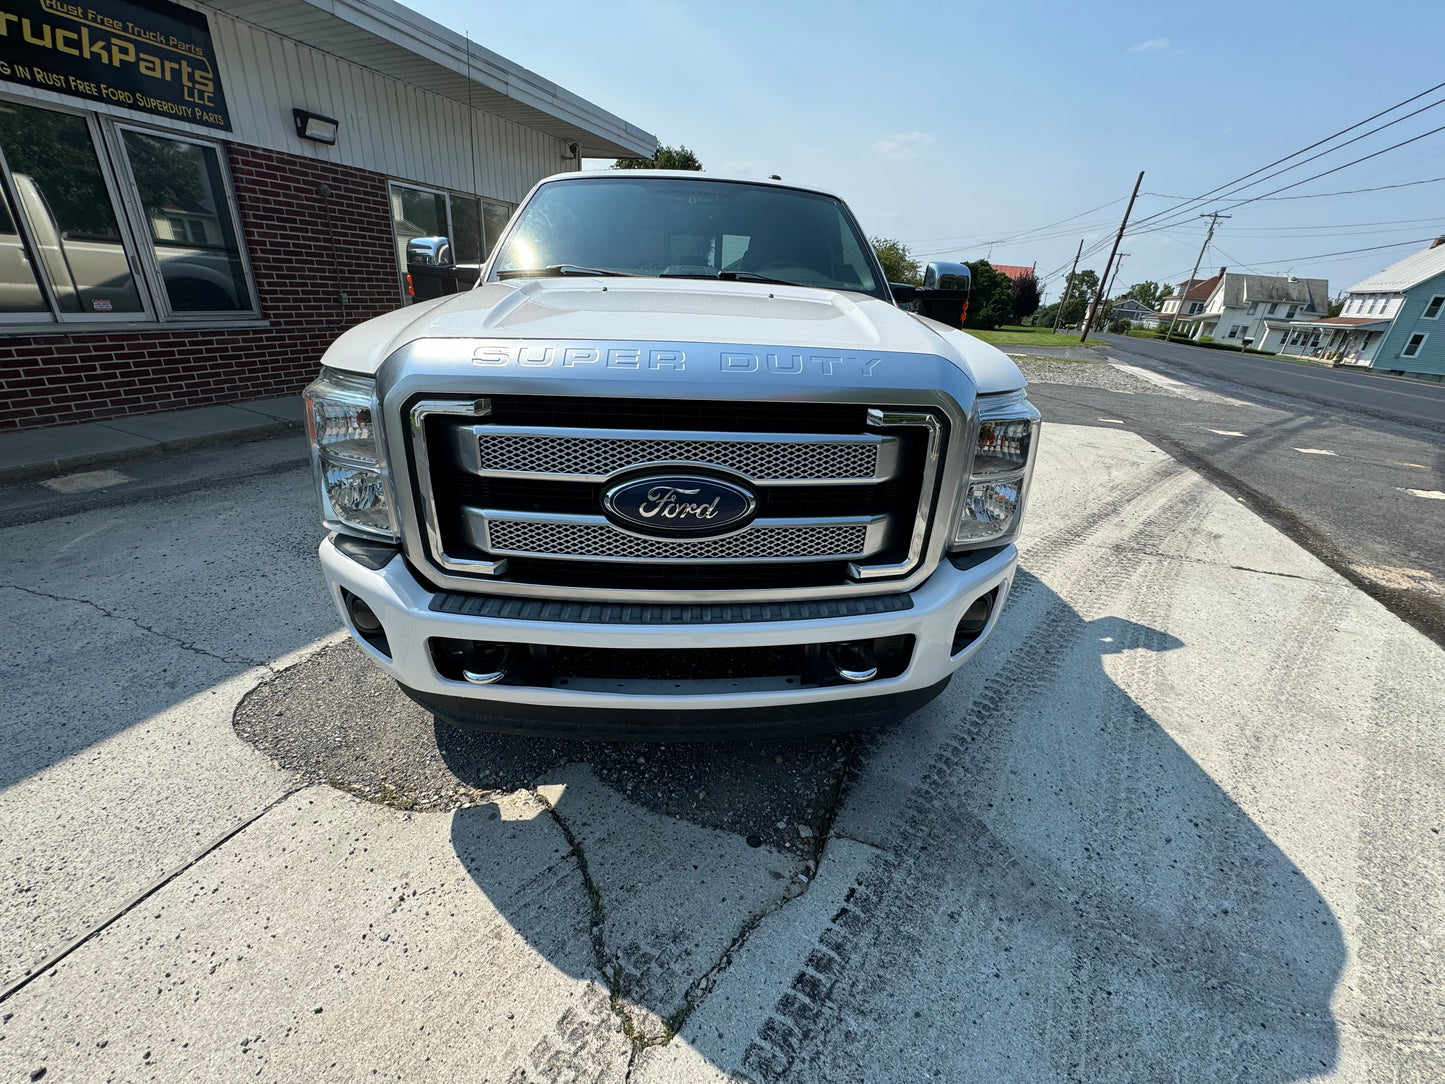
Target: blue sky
(950, 126)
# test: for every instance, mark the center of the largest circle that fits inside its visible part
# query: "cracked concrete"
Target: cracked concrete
(1177, 819)
(184, 645)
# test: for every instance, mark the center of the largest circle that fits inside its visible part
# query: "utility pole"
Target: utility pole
(1068, 287)
(1089, 319)
(1214, 217)
(1110, 291)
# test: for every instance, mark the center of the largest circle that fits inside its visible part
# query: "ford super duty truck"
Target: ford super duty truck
(680, 464)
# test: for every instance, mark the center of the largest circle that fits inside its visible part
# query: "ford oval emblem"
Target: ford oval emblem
(679, 506)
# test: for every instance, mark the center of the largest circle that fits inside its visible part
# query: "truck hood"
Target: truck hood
(669, 311)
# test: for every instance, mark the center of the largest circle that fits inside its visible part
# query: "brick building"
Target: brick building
(195, 200)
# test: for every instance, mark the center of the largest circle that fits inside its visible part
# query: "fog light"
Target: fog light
(973, 622)
(367, 625)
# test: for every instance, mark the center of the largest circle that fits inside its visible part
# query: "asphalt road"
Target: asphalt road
(1365, 493)
(1412, 402)
(1179, 819)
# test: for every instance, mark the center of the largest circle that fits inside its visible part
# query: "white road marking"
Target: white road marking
(86, 481)
(1226, 432)
(1113, 421)
(1402, 463)
(1149, 375)
(1316, 451)
(1428, 494)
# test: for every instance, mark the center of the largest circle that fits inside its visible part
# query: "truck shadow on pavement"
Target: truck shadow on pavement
(1028, 880)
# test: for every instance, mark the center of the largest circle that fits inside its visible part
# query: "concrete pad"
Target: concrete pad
(193, 424)
(131, 636)
(337, 940)
(674, 894)
(1176, 819)
(288, 408)
(26, 448)
(87, 481)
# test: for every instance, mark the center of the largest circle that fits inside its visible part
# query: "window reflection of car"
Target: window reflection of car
(91, 273)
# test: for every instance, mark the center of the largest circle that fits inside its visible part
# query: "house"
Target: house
(1013, 271)
(1187, 299)
(1393, 321)
(1129, 309)
(1240, 308)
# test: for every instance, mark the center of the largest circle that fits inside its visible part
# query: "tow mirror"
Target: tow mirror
(943, 295)
(429, 251)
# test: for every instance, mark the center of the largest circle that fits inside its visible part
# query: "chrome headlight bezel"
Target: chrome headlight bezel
(348, 455)
(990, 505)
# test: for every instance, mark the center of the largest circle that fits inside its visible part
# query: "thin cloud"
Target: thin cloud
(1153, 45)
(902, 146)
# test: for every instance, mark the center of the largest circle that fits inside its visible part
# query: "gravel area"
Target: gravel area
(336, 718)
(1084, 374)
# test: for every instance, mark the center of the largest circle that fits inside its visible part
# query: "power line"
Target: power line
(1323, 195)
(1332, 150)
(1020, 234)
(1280, 161)
(1234, 205)
(1347, 252)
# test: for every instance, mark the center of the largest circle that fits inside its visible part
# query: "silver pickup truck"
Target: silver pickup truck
(680, 465)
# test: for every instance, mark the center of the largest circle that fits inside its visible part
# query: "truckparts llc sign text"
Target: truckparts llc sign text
(148, 55)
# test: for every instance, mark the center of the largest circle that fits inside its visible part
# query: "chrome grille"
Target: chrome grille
(517, 500)
(596, 455)
(591, 540)
(600, 458)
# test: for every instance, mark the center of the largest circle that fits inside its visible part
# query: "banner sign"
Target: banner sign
(142, 54)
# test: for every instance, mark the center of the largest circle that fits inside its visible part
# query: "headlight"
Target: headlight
(349, 455)
(991, 505)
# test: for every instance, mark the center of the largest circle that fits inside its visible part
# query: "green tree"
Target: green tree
(1025, 297)
(1147, 293)
(991, 297)
(898, 264)
(1337, 306)
(1085, 285)
(665, 157)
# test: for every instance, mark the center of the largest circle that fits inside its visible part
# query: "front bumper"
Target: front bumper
(403, 606)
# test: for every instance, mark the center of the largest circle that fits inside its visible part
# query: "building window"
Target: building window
(1432, 310)
(1273, 309)
(1292, 310)
(1234, 331)
(470, 224)
(149, 237)
(1412, 348)
(191, 230)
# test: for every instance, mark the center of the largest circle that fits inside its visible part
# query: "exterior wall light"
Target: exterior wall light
(315, 127)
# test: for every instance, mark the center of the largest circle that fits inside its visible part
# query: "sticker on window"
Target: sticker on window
(101, 304)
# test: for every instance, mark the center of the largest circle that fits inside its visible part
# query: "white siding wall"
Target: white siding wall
(386, 126)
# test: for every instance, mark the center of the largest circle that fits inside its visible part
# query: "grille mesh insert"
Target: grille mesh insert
(590, 540)
(600, 457)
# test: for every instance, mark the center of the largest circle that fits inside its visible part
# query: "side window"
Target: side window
(19, 290)
(1432, 310)
(495, 216)
(1413, 346)
(62, 196)
(470, 224)
(189, 222)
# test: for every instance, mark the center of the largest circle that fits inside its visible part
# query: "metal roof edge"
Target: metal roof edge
(444, 47)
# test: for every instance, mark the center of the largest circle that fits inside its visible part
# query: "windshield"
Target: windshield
(661, 226)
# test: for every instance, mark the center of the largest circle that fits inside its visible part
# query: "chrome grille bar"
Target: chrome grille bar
(595, 455)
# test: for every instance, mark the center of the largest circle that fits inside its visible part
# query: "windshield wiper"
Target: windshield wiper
(729, 276)
(553, 270)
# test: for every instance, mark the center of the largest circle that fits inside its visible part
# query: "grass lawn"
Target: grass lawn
(1013, 335)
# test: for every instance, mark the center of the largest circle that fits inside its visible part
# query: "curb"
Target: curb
(51, 468)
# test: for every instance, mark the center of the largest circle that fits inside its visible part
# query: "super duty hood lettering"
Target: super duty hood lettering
(780, 362)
